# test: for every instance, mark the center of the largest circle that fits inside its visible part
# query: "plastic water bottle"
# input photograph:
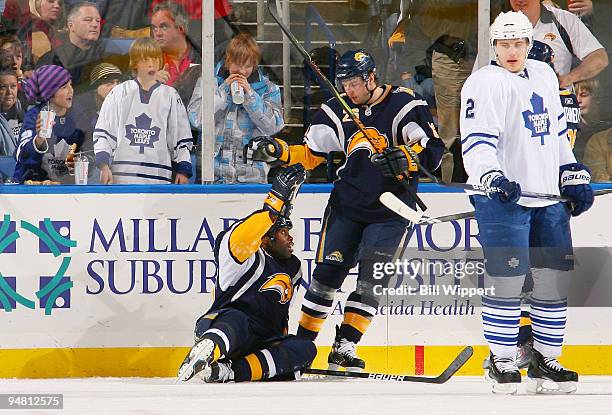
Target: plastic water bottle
(237, 93)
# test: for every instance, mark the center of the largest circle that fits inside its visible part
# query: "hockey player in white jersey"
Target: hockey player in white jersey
(513, 134)
(142, 134)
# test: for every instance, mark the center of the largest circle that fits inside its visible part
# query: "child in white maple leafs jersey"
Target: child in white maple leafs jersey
(142, 134)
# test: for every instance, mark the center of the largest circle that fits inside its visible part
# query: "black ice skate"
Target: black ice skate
(523, 355)
(217, 372)
(343, 355)
(547, 376)
(504, 374)
(199, 357)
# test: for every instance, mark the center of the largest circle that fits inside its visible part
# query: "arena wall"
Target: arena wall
(108, 281)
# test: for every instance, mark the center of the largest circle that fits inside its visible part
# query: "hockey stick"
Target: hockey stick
(395, 204)
(347, 109)
(418, 218)
(479, 188)
(455, 365)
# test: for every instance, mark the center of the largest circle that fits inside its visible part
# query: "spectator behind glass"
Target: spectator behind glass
(40, 159)
(83, 50)
(585, 47)
(598, 156)
(260, 114)
(224, 28)
(12, 105)
(142, 134)
(588, 94)
(11, 55)
(104, 77)
(169, 25)
(36, 22)
(11, 111)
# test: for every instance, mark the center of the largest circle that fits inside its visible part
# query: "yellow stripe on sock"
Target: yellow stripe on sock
(357, 321)
(525, 321)
(311, 323)
(216, 353)
(255, 365)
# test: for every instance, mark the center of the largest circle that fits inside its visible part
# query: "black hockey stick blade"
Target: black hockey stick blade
(347, 109)
(455, 365)
(602, 192)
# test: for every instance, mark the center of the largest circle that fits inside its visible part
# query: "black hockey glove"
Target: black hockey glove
(575, 182)
(284, 189)
(393, 161)
(268, 149)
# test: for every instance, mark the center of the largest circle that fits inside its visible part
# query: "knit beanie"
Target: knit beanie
(45, 82)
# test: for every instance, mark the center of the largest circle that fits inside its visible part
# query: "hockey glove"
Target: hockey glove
(284, 189)
(575, 182)
(511, 190)
(268, 149)
(393, 162)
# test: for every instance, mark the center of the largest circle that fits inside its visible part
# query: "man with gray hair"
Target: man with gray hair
(169, 25)
(83, 49)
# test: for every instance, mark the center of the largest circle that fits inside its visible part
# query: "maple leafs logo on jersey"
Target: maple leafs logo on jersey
(537, 120)
(142, 134)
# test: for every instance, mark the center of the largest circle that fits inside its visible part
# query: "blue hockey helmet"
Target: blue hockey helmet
(540, 51)
(281, 222)
(355, 63)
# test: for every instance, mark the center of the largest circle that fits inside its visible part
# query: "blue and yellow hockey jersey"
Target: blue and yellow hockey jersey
(251, 280)
(397, 117)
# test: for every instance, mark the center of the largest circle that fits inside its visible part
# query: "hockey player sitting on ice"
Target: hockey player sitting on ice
(142, 134)
(244, 334)
(357, 228)
(514, 137)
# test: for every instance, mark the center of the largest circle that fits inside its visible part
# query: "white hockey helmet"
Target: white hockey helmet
(511, 25)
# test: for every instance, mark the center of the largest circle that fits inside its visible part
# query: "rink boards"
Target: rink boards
(108, 281)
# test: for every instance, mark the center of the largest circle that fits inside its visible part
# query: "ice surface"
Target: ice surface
(461, 395)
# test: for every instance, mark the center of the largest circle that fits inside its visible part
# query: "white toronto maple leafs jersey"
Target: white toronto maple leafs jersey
(515, 124)
(146, 133)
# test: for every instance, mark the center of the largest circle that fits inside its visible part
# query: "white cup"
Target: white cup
(47, 117)
(81, 169)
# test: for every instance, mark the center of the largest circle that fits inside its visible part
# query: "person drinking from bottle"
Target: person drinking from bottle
(49, 133)
(247, 105)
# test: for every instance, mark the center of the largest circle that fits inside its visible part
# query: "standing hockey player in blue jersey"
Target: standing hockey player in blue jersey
(357, 228)
(244, 334)
(513, 132)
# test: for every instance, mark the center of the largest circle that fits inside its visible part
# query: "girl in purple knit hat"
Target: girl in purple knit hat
(40, 158)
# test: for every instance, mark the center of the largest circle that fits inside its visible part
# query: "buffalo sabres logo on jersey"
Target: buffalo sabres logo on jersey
(359, 141)
(537, 120)
(282, 284)
(142, 134)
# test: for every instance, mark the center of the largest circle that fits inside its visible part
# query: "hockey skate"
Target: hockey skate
(547, 376)
(503, 374)
(217, 372)
(343, 355)
(523, 355)
(199, 357)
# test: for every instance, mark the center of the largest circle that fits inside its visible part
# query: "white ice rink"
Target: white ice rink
(461, 395)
